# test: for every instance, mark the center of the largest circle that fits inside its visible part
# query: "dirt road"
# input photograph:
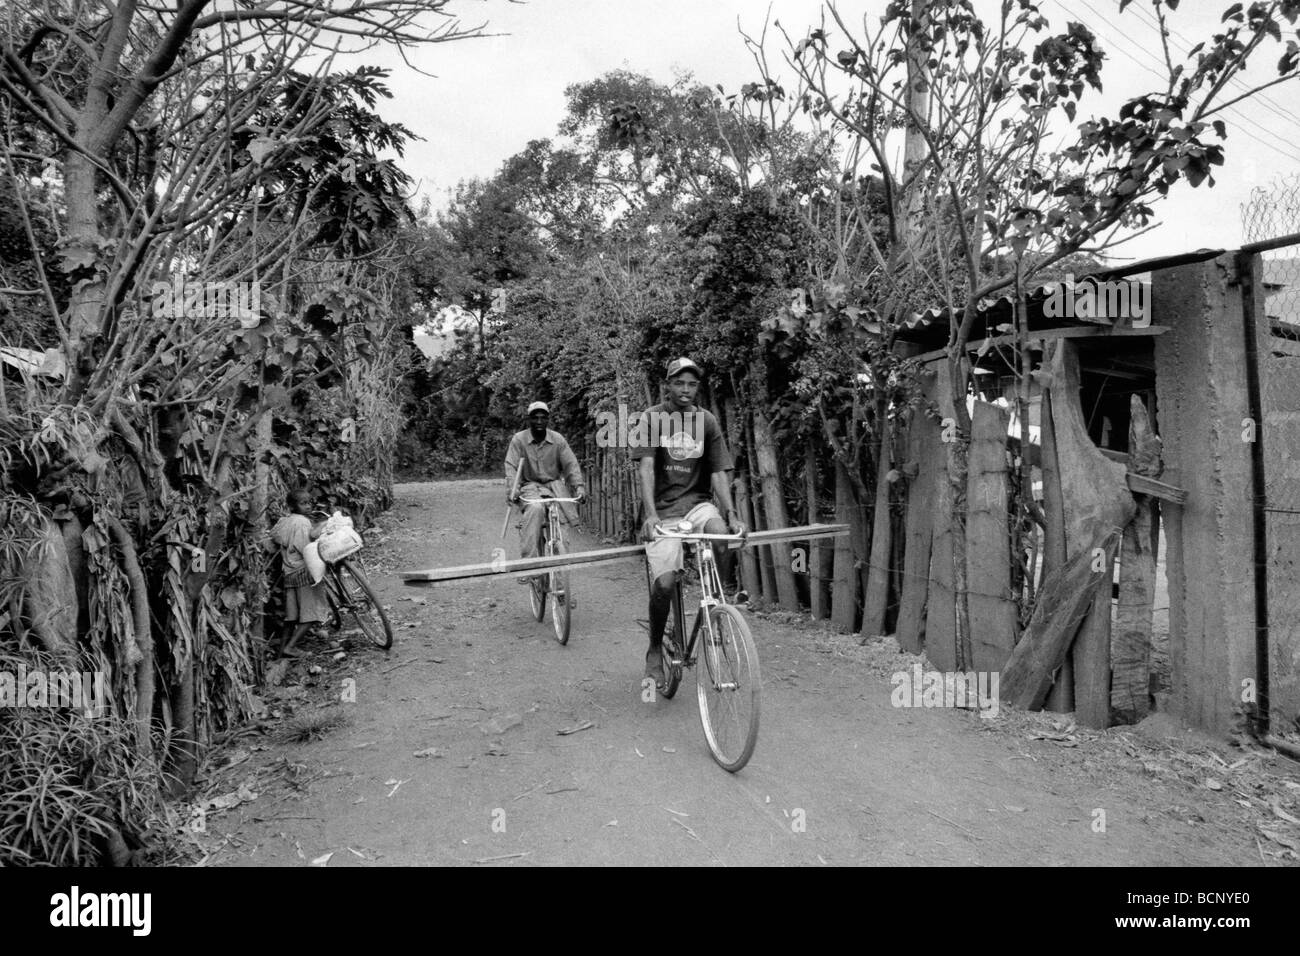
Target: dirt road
(840, 776)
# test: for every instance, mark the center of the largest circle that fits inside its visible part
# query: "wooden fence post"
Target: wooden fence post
(993, 619)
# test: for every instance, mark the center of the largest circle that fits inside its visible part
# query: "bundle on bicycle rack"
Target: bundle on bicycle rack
(338, 539)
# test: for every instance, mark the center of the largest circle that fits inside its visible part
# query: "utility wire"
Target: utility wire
(1294, 157)
(1264, 99)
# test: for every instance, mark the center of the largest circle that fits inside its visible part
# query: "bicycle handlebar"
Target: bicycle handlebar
(543, 501)
(698, 536)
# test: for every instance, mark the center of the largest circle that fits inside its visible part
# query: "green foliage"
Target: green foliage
(71, 785)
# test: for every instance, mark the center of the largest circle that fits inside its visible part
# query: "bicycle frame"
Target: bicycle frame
(552, 526)
(706, 565)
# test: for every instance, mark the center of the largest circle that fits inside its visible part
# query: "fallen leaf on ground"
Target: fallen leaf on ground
(427, 752)
(1283, 814)
(229, 800)
(322, 860)
(565, 731)
(1286, 841)
(500, 724)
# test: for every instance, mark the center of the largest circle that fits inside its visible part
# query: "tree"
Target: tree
(90, 76)
(989, 189)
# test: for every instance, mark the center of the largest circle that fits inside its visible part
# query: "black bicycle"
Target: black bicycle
(555, 583)
(729, 685)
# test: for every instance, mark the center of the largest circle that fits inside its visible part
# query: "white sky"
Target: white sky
(491, 96)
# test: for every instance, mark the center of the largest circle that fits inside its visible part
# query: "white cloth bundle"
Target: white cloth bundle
(338, 538)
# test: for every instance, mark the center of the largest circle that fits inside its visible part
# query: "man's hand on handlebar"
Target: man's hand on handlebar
(649, 529)
(736, 526)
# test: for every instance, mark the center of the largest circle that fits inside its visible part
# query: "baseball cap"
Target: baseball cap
(677, 366)
(539, 407)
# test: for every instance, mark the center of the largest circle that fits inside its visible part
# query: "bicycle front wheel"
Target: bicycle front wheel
(537, 585)
(561, 612)
(360, 601)
(729, 687)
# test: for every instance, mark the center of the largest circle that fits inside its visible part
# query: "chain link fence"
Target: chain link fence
(1270, 212)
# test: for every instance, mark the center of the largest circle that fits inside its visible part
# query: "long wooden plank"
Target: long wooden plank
(1066, 597)
(1097, 501)
(522, 566)
(1047, 335)
(988, 560)
(1130, 644)
(1141, 483)
(519, 567)
(1146, 485)
(1060, 698)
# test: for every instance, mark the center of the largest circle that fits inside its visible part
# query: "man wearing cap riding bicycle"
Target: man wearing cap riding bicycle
(683, 465)
(548, 464)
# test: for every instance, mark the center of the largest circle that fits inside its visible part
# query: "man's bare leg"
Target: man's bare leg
(661, 603)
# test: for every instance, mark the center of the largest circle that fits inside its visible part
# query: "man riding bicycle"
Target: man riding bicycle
(548, 464)
(683, 465)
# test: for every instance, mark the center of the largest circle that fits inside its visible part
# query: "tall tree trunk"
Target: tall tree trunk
(83, 238)
(259, 521)
(876, 599)
(763, 554)
(816, 585)
(924, 463)
(749, 574)
(844, 592)
(958, 474)
(769, 475)
(144, 667)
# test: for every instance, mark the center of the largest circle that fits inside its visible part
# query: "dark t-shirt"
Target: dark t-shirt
(688, 448)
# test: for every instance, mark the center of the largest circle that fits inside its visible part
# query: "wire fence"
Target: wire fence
(1270, 212)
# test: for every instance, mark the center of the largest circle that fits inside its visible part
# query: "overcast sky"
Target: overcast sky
(492, 95)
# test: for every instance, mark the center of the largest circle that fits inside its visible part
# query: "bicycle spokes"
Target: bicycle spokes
(728, 688)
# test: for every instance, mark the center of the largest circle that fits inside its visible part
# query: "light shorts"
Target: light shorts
(665, 554)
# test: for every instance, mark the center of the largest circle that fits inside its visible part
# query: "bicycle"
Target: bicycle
(347, 590)
(556, 580)
(729, 685)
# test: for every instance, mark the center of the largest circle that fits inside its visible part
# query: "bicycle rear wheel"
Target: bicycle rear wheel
(360, 601)
(729, 686)
(561, 612)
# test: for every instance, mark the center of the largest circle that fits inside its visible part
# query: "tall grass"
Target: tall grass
(73, 790)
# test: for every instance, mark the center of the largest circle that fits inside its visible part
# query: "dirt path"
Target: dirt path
(840, 776)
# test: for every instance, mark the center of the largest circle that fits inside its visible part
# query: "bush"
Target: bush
(73, 791)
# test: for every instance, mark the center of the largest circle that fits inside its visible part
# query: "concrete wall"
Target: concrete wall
(1201, 401)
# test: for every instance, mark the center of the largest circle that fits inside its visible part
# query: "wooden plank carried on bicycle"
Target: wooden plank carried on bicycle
(521, 567)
